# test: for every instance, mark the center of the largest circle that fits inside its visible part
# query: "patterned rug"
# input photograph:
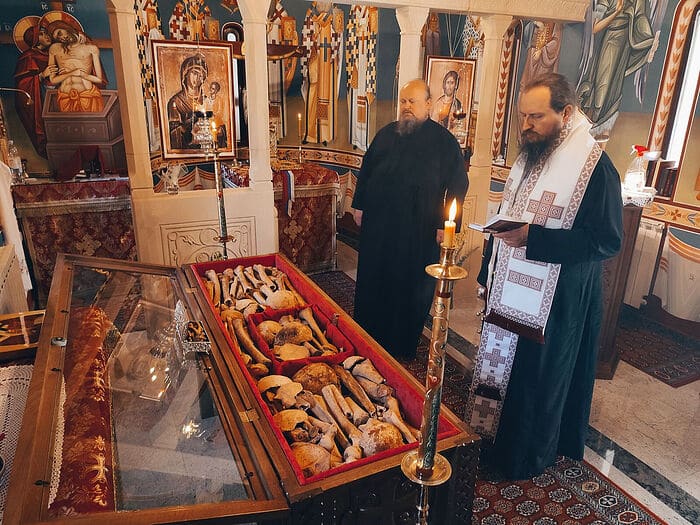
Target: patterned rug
(654, 349)
(568, 493)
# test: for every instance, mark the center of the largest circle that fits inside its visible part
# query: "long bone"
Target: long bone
(244, 338)
(262, 275)
(247, 359)
(391, 415)
(307, 315)
(237, 290)
(211, 275)
(363, 368)
(343, 422)
(247, 286)
(252, 278)
(359, 414)
(226, 289)
(355, 389)
(377, 391)
(319, 409)
(393, 404)
(210, 289)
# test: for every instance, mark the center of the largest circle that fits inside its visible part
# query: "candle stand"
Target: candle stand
(219, 178)
(203, 134)
(424, 466)
(301, 140)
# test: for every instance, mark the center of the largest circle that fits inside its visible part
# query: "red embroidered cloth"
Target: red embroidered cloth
(88, 189)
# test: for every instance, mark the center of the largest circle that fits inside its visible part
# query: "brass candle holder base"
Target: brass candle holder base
(411, 466)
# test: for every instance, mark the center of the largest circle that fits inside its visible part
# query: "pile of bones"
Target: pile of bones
(329, 414)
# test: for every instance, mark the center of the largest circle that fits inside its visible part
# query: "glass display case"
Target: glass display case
(129, 419)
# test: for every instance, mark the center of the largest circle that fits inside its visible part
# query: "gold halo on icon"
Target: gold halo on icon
(53, 16)
(21, 28)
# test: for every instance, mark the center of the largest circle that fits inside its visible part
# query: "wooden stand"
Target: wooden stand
(615, 273)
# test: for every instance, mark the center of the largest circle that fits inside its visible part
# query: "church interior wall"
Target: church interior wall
(631, 127)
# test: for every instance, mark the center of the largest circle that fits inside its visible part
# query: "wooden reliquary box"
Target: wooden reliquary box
(164, 395)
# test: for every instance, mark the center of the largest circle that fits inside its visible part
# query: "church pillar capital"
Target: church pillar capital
(411, 20)
(253, 11)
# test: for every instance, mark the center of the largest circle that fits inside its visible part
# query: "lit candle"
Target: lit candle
(450, 226)
(213, 128)
(299, 124)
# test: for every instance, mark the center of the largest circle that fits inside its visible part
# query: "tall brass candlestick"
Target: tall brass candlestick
(300, 133)
(219, 178)
(425, 466)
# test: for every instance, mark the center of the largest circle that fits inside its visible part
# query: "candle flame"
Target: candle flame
(453, 210)
(213, 126)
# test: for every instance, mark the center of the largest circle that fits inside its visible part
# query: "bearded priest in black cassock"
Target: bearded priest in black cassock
(535, 369)
(410, 171)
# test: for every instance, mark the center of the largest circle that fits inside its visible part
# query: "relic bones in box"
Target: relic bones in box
(333, 402)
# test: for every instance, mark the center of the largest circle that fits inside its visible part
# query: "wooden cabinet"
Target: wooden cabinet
(141, 430)
(615, 273)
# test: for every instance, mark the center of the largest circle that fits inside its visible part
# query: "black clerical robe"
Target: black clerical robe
(549, 395)
(404, 187)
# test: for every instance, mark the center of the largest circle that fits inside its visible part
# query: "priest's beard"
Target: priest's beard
(537, 147)
(408, 124)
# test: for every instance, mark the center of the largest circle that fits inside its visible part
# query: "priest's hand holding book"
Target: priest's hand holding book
(511, 231)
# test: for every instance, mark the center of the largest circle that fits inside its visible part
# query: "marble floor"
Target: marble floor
(643, 435)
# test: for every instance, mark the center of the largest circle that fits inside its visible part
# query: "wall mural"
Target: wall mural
(281, 29)
(31, 75)
(361, 69)
(542, 51)
(322, 37)
(620, 38)
(190, 19)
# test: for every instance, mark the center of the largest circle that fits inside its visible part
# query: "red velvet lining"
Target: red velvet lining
(289, 368)
(410, 398)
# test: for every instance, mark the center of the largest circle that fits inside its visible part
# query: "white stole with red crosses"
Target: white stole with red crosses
(520, 290)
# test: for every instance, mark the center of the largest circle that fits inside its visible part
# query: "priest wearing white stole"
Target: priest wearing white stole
(535, 369)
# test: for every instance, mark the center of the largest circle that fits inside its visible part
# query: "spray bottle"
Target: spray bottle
(636, 176)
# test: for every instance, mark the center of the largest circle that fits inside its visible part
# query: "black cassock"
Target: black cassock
(549, 394)
(404, 188)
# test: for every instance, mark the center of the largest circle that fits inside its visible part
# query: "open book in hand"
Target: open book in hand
(498, 223)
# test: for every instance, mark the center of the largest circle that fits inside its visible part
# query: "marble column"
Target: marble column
(411, 20)
(494, 28)
(254, 14)
(122, 24)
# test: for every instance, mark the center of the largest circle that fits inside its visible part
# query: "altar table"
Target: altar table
(86, 217)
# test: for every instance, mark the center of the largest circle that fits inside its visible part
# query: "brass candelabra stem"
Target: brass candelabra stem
(425, 466)
(219, 179)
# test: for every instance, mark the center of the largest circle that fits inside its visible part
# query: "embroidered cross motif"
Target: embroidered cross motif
(544, 209)
(528, 281)
(484, 408)
(494, 358)
(493, 365)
